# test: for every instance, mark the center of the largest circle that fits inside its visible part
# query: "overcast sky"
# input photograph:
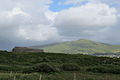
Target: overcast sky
(38, 22)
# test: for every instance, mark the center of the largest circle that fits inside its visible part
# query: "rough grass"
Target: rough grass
(17, 62)
(59, 76)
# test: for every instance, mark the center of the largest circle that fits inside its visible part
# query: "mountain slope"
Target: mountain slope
(80, 46)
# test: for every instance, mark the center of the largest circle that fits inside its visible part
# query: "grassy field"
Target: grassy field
(59, 76)
(57, 66)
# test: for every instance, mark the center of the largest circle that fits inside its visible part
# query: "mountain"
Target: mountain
(82, 46)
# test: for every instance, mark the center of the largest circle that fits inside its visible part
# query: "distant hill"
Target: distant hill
(81, 46)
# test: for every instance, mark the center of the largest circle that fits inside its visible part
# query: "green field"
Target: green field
(59, 76)
(51, 66)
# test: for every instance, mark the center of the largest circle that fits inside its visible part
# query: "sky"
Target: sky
(39, 22)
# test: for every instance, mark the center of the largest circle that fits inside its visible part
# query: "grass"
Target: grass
(59, 76)
(18, 62)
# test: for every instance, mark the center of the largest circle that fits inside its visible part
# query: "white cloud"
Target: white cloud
(91, 17)
(51, 15)
(26, 20)
(38, 33)
(73, 1)
(80, 2)
(17, 11)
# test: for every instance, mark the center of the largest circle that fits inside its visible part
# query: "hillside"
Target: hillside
(82, 46)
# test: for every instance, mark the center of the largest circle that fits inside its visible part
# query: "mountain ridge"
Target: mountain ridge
(81, 46)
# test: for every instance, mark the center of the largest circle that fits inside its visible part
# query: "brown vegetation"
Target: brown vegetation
(25, 49)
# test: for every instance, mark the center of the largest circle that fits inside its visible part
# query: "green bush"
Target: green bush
(98, 69)
(43, 67)
(104, 69)
(70, 67)
(10, 68)
(28, 70)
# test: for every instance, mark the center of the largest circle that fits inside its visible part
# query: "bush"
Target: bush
(10, 68)
(70, 67)
(43, 68)
(104, 69)
(98, 69)
(28, 70)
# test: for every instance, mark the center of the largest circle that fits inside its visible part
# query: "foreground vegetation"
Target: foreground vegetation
(59, 76)
(57, 66)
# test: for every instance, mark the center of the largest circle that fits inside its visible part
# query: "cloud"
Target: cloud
(30, 22)
(51, 15)
(73, 2)
(79, 2)
(25, 22)
(41, 32)
(85, 20)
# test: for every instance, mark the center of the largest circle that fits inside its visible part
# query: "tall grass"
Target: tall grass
(59, 76)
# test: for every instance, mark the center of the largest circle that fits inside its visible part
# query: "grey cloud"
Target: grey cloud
(30, 22)
(24, 23)
(86, 20)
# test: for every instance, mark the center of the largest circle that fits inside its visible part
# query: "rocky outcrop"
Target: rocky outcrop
(25, 49)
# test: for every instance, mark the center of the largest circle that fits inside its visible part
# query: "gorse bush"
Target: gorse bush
(52, 62)
(10, 68)
(104, 69)
(70, 67)
(43, 67)
(47, 68)
(100, 69)
(28, 70)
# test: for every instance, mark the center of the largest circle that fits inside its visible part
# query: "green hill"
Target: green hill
(81, 46)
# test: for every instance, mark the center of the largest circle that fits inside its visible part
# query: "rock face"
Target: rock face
(25, 49)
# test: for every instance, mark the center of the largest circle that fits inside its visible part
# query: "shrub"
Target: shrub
(10, 68)
(104, 69)
(28, 70)
(43, 67)
(98, 69)
(70, 67)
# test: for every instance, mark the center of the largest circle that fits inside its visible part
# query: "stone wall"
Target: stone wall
(25, 49)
